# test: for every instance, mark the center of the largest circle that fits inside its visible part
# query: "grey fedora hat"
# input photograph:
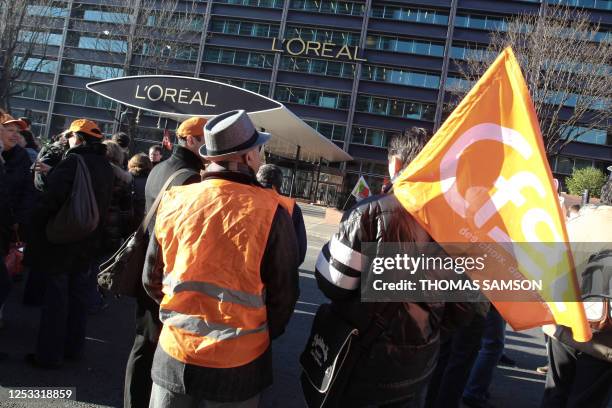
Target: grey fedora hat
(229, 134)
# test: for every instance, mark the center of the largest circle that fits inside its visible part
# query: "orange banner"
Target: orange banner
(484, 177)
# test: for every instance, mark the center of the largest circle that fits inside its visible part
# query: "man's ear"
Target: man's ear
(395, 165)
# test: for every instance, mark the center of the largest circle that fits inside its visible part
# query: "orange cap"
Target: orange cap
(6, 119)
(192, 127)
(86, 126)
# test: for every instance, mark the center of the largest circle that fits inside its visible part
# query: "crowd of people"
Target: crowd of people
(220, 279)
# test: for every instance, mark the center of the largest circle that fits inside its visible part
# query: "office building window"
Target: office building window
(457, 84)
(31, 90)
(572, 100)
(90, 71)
(106, 17)
(372, 137)
(38, 37)
(235, 57)
(171, 51)
(405, 45)
(259, 3)
(332, 131)
(248, 28)
(322, 35)
(567, 164)
(82, 97)
(189, 21)
(462, 52)
(400, 76)
(329, 7)
(414, 15)
(481, 22)
(39, 119)
(312, 97)
(585, 135)
(262, 88)
(103, 44)
(317, 66)
(593, 4)
(36, 65)
(395, 107)
(46, 11)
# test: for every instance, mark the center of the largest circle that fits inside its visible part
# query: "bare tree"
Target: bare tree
(147, 35)
(566, 62)
(26, 30)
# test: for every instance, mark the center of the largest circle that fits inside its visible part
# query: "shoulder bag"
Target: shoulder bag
(332, 351)
(122, 272)
(78, 217)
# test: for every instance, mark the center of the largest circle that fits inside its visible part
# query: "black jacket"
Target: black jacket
(139, 200)
(147, 322)
(300, 231)
(279, 274)
(404, 357)
(19, 182)
(118, 217)
(182, 158)
(6, 214)
(58, 258)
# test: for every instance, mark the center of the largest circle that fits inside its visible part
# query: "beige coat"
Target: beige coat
(588, 233)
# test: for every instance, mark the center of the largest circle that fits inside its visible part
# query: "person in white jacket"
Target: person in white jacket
(580, 374)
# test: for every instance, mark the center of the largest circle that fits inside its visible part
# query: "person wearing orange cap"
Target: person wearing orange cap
(17, 165)
(66, 266)
(138, 383)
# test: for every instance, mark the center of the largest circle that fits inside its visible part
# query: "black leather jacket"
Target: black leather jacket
(402, 360)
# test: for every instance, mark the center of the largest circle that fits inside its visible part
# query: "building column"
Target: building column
(295, 169)
(313, 196)
(445, 64)
(129, 52)
(355, 89)
(60, 57)
(203, 38)
(277, 56)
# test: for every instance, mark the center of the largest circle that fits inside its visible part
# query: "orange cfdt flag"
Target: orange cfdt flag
(484, 177)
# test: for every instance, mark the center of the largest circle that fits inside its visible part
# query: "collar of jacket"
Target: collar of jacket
(90, 148)
(192, 160)
(231, 171)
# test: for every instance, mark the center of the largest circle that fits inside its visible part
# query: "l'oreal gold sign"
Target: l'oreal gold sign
(297, 46)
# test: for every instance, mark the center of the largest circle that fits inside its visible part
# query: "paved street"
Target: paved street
(99, 376)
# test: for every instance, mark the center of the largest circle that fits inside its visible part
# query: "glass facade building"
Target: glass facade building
(390, 62)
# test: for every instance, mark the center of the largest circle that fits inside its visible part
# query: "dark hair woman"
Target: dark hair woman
(139, 167)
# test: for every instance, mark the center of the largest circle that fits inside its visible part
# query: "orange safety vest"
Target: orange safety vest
(287, 203)
(213, 236)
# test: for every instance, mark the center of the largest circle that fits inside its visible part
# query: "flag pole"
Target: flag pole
(346, 202)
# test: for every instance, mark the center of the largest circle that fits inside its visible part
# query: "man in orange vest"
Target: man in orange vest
(222, 264)
(271, 176)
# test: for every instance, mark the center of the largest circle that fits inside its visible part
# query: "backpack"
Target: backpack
(122, 272)
(597, 290)
(78, 217)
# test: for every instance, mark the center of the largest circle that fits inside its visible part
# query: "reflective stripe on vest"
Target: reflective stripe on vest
(287, 203)
(213, 236)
